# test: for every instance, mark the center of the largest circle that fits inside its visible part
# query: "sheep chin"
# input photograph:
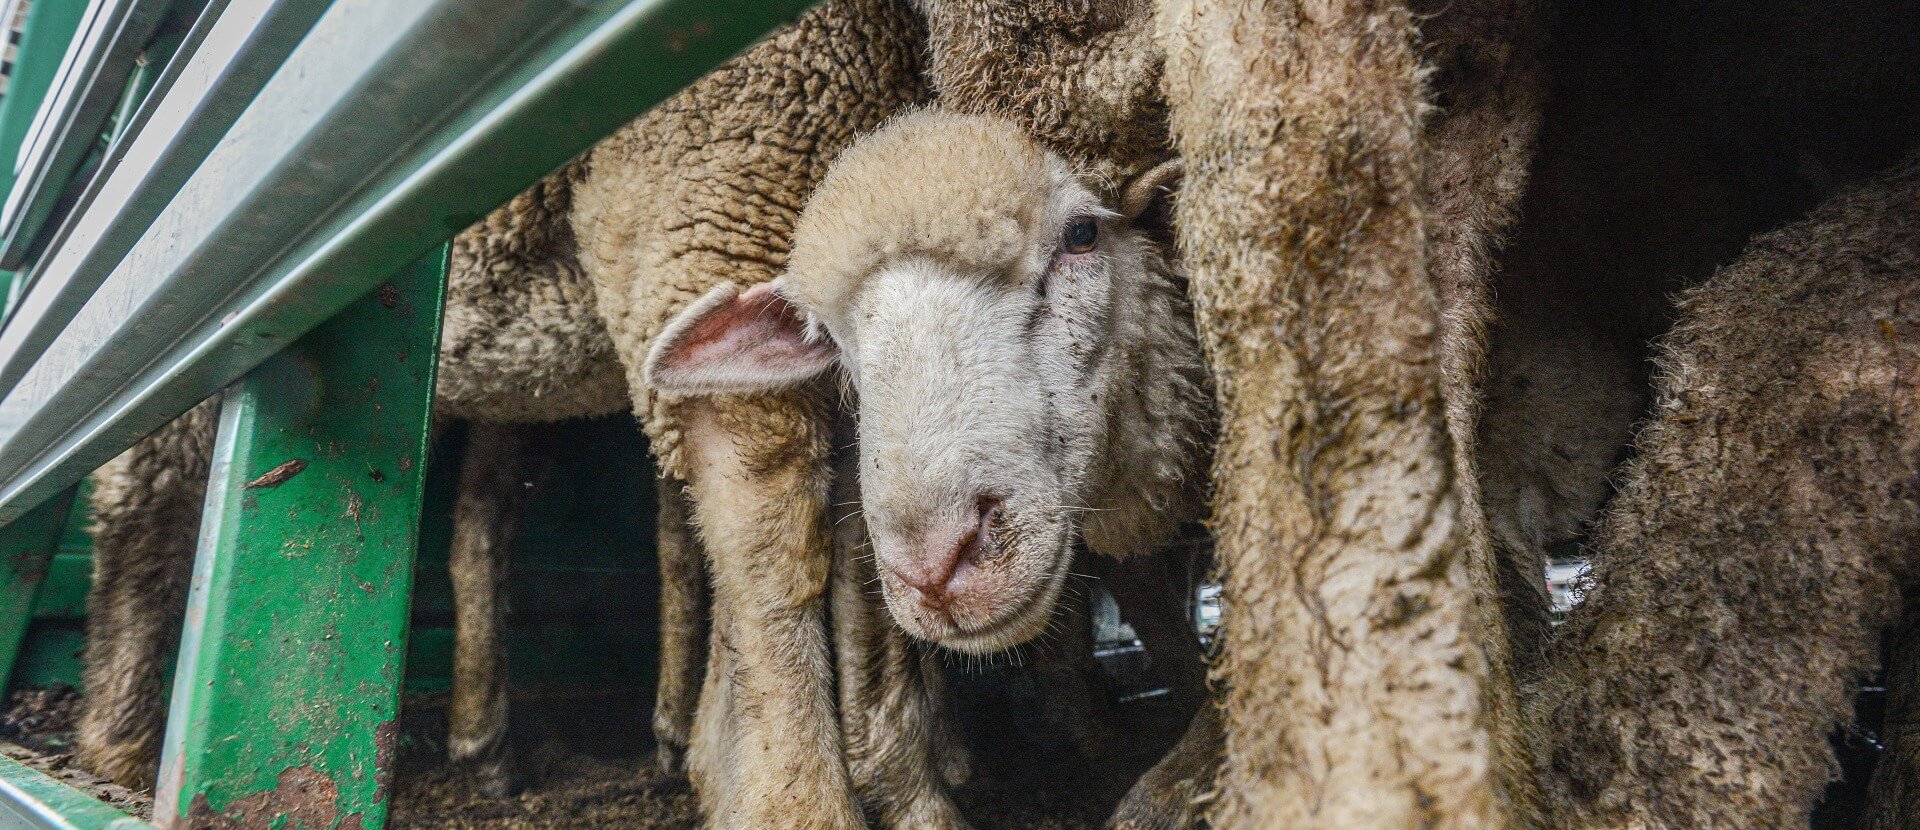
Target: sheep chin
(1019, 621)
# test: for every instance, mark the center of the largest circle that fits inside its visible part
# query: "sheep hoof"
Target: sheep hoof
(494, 778)
(128, 764)
(490, 771)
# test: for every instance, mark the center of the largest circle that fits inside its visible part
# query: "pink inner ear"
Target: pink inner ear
(756, 339)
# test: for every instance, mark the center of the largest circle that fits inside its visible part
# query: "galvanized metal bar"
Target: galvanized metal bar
(68, 123)
(44, 36)
(27, 545)
(284, 703)
(228, 55)
(395, 124)
(30, 800)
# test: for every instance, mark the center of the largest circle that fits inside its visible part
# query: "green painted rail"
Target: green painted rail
(30, 800)
(289, 681)
(281, 184)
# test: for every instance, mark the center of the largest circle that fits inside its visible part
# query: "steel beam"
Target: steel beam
(95, 70)
(392, 126)
(221, 65)
(30, 800)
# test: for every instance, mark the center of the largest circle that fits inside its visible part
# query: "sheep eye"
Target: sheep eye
(1079, 236)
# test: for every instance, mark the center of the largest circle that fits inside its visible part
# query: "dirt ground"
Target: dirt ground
(589, 763)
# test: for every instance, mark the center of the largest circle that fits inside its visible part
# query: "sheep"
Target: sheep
(1367, 671)
(1762, 532)
(1124, 435)
(701, 190)
(1085, 79)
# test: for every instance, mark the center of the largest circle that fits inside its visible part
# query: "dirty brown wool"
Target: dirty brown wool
(146, 520)
(1357, 651)
(1758, 547)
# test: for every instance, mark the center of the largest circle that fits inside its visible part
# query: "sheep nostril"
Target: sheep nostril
(988, 511)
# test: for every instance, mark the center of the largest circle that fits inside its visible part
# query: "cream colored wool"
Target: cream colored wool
(702, 190)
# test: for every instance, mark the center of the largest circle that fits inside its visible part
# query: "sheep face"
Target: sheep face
(987, 310)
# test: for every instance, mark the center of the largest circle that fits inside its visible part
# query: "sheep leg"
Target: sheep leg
(1362, 655)
(500, 470)
(890, 716)
(1169, 796)
(1893, 799)
(1760, 541)
(683, 627)
(756, 470)
(146, 519)
(711, 741)
(1069, 677)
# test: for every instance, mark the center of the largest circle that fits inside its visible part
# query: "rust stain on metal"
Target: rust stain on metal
(389, 294)
(302, 799)
(278, 475)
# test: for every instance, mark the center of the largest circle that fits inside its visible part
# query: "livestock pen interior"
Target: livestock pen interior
(583, 652)
(583, 639)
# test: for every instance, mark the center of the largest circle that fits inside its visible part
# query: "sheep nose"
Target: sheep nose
(934, 570)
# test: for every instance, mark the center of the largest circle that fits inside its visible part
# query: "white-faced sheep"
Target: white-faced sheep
(747, 140)
(700, 191)
(1084, 78)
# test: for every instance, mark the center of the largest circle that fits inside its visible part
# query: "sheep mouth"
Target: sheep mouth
(1013, 626)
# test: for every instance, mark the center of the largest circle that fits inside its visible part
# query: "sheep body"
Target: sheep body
(699, 191)
(521, 340)
(1763, 532)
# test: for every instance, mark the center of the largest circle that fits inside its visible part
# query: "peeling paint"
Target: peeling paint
(302, 799)
(278, 475)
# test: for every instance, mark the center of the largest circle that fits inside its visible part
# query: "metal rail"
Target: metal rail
(229, 54)
(98, 64)
(390, 127)
(29, 800)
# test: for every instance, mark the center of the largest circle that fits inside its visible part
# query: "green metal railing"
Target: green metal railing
(271, 219)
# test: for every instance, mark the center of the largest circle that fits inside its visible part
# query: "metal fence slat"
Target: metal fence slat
(285, 700)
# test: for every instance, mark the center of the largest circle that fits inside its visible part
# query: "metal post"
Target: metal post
(284, 702)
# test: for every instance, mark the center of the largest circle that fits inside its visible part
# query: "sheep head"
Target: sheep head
(1022, 355)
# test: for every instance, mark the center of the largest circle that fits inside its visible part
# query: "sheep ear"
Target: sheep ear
(735, 341)
(1151, 190)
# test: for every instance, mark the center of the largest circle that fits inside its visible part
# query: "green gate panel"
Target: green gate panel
(284, 702)
(26, 551)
